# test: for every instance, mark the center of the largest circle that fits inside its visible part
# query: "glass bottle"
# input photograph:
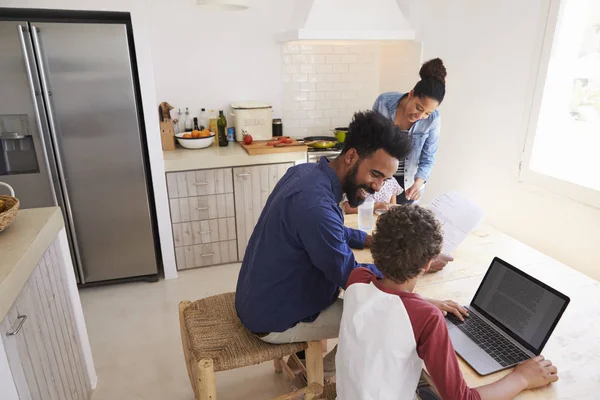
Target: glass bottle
(222, 128)
(188, 120)
(196, 127)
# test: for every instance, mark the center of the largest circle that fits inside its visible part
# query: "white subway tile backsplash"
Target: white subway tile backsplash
(340, 86)
(307, 105)
(324, 104)
(349, 77)
(315, 114)
(324, 87)
(325, 84)
(307, 123)
(316, 96)
(322, 122)
(307, 68)
(307, 87)
(331, 113)
(291, 105)
(301, 114)
(325, 49)
(316, 77)
(308, 48)
(333, 59)
(300, 78)
(290, 48)
(340, 68)
(316, 59)
(300, 59)
(325, 68)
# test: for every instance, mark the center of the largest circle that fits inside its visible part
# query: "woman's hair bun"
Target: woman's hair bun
(433, 69)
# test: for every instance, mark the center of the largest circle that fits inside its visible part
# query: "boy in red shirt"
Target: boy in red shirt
(388, 332)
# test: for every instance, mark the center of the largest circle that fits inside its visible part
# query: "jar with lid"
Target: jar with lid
(277, 127)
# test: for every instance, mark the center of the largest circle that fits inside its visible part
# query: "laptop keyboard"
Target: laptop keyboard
(496, 345)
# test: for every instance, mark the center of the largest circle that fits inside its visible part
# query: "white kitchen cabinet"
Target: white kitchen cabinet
(252, 187)
(45, 356)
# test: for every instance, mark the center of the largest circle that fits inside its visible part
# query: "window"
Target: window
(563, 142)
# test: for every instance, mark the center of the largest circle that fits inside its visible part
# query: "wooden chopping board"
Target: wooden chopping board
(260, 147)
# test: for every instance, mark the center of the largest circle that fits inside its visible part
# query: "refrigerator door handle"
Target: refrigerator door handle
(59, 161)
(34, 93)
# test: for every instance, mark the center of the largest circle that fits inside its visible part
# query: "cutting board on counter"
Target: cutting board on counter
(260, 147)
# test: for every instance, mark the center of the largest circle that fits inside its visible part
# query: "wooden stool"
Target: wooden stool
(214, 339)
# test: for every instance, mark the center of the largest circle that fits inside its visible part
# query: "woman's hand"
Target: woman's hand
(414, 192)
(450, 306)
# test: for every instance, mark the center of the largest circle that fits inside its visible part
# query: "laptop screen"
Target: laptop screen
(519, 303)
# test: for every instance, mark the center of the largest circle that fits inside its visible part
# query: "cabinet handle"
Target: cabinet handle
(202, 208)
(23, 318)
(200, 183)
(208, 255)
(243, 175)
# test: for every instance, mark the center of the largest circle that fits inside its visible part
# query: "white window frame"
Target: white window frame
(551, 14)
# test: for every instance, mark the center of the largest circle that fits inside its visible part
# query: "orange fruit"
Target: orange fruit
(195, 134)
(187, 136)
(205, 133)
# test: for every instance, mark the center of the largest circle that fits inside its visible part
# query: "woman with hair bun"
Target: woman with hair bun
(415, 113)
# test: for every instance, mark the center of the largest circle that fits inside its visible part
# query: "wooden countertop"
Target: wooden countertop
(22, 245)
(233, 155)
(573, 347)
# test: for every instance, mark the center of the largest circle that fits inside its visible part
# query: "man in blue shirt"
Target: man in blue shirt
(299, 254)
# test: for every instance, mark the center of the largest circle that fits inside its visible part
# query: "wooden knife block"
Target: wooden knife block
(167, 135)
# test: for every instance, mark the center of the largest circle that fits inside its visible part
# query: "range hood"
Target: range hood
(347, 20)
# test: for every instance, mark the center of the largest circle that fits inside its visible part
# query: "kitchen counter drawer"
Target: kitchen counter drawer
(202, 208)
(204, 255)
(199, 183)
(200, 232)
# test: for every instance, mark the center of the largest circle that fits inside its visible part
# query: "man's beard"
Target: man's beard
(351, 187)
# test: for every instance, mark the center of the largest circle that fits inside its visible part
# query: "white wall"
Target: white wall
(141, 28)
(209, 59)
(490, 49)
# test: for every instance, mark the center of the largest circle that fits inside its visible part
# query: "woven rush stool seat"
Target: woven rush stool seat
(215, 332)
(214, 339)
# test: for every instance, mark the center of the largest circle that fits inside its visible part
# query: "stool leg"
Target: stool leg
(324, 345)
(277, 364)
(206, 382)
(314, 366)
(190, 362)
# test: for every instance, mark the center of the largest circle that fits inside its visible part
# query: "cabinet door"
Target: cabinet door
(252, 187)
(45, 355)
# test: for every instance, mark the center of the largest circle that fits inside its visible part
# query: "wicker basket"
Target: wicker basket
(11, 207)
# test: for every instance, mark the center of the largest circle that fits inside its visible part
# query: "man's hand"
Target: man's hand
(440, 262)
(368, 241)
(450, 306)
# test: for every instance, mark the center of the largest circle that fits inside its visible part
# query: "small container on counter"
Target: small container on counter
(231, 134)
(277, 127)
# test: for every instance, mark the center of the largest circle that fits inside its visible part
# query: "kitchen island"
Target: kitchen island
(44, 346)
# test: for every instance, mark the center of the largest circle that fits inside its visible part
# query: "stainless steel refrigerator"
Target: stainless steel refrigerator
(71, 134)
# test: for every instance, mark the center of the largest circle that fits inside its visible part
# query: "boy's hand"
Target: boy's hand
(536, 372)
(450, 306)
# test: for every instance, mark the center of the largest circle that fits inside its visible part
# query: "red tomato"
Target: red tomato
(247, 139)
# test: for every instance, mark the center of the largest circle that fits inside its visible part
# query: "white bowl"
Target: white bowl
(194, 143)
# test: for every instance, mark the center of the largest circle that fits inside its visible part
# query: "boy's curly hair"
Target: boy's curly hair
(406, 238)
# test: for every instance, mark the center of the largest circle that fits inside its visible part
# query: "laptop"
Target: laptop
(511, 318)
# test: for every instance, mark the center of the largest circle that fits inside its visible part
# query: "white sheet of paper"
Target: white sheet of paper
(458, 217)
